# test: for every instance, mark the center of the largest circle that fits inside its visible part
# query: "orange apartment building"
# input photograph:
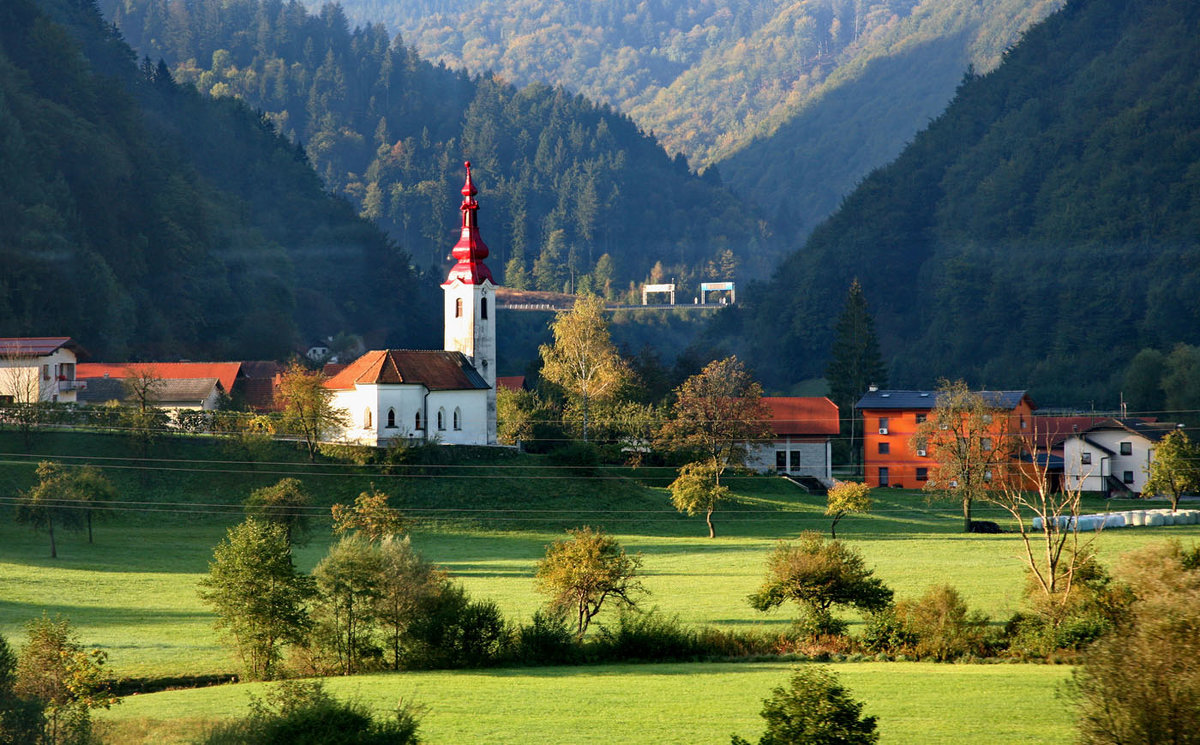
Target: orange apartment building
(890, 419)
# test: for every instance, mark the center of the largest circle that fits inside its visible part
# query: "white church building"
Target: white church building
(446, 396)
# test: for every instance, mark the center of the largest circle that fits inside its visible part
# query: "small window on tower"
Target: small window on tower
(483, 308)
(458, 307)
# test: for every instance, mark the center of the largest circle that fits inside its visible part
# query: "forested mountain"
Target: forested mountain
(575, 195)
(144, 219)
(1038, 234)
(826, 89)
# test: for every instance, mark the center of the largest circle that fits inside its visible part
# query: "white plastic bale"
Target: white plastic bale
(1037, 523)
(1139, 518)
(1155, 520)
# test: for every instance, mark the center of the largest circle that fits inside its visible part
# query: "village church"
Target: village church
(447, 395)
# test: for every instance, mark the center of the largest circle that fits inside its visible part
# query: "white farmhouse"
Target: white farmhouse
(38, 369)
(1112, 456)
(802, 431)
(448, 395)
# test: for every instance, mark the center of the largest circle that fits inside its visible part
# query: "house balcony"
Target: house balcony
(66, 386)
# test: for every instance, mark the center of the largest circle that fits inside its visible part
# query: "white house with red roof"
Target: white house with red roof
(447, 395)
(38, 369)
(804, 428)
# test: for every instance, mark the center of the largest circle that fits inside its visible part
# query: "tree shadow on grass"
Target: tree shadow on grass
(16, 614)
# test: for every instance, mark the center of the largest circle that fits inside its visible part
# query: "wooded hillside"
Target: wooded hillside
(144, 219)
(575, 195)
(1038, 234)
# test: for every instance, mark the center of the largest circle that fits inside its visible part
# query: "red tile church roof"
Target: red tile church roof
(434, 369)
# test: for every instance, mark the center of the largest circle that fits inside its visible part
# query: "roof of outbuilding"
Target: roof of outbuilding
(1003, 400)
(171, 390)
(226, 372)
(435, 369)
(802, 415)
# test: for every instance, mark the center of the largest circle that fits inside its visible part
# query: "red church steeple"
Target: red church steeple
(470, 251)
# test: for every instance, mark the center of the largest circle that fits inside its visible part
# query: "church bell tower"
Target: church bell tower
(470, 300)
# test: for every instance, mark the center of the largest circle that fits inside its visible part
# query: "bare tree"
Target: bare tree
(1048, 521)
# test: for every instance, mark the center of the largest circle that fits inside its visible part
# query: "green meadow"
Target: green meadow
(487, 521)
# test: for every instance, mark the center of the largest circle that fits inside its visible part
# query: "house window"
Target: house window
(987, 418)
(457, 418)
(391, 419)
(458, 307)
(883, 422)
(885, 448)
(1085, 459)
(441, 419)
(1126, 448)
(986, 443)
(795, 459)
(921, 418)
(483, 308)
(780, 460)
(987, 475)
(45, 372)
(419, 427)
(883, 476)
(367, 419)
(1127, 477)
(68, 371)
(922, 474)
(1024, 424)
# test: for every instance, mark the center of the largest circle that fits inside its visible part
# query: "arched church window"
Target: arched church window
(419, 427)
(457, 418)
(367, 419)
(391, 419)
(458, 307)
(441, 418)
(483, 308)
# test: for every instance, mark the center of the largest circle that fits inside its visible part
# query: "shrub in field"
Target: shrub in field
(646, 637)
(1141, 683)
(582, 573)
(453, 631)
(65, 679)
(1095, 604)
(297, 713)
(814, 708)
(547, 640)
(941, 626)
(886, 633)
(817, 574)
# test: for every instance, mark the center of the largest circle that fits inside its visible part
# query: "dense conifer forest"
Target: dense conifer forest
(145, 219)
(576, 196)
(1038, 234)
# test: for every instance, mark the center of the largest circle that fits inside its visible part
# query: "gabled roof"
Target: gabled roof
(925, 400)
(434, 369)
(511, 382)
(17, 347)
(1050, 431)
(1152, 431)
(795, 415)
(226, 372)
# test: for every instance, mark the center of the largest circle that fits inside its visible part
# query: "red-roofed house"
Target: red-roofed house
(804, 429)
(511, 382)
(225, 372)
(39, 368)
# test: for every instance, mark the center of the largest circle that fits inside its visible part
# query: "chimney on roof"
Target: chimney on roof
(872, 388)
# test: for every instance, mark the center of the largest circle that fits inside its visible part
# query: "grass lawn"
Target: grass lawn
(133, 592)
(693, 703)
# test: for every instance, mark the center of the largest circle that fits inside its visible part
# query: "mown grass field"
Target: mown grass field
(684, 703)
(133, 592)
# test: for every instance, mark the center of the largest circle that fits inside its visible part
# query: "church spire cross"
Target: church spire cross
(470, 251)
